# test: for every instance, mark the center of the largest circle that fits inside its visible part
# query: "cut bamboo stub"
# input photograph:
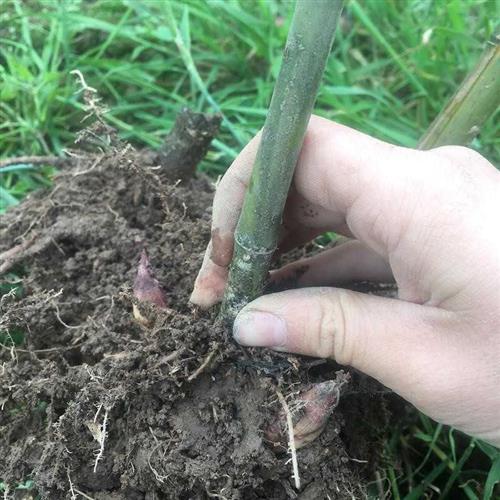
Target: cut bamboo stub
(304, 58)
(471, 105)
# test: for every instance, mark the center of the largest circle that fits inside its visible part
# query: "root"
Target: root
(228, 487)
(11, 349)
(205, 363)
(94, 165)
(57, 161)
(291, 440)
(161, 479)
(58, 316)
(90, 98)
(71, 489)
(84, 495)
(173, 355)
(215, 495)
(32, 160)
(100, 435)
(13, 255)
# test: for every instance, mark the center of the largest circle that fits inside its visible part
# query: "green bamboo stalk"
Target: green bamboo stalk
(471, 105)
(304, 58)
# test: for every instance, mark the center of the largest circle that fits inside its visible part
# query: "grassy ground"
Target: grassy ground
(393, 66)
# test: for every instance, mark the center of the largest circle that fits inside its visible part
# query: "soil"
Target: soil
(95, 405)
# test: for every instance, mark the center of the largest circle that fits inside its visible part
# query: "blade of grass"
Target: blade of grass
(361, 14)
(417, 493)
(6, 199)
(191, 68)
(492, 479)
(394, 483)
(457, 469)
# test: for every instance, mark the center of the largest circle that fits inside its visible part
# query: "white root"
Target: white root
(84, 495)
(205, 363)
(291, 440)
(71, 489)
(99, 433)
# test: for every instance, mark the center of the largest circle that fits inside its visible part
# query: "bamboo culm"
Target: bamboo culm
(256, 237)
(471, 105)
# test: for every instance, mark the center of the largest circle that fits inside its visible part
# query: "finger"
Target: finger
(399, 343)
(347, 262)
(228, 201)
(291, 238)
(210, 282)
(336, 165)
(300, 224)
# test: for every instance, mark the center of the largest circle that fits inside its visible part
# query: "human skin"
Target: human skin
(428, 220)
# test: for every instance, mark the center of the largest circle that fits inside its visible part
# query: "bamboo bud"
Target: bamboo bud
(312, 409)
(319, 403)
(147, 289)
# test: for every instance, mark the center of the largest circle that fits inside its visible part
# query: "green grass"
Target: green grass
(393, 66)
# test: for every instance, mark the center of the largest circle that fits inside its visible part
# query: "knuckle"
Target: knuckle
(460, 161)
(331, 325)
(343, 343)
(235, 179)
(222, 245)
(458, 154)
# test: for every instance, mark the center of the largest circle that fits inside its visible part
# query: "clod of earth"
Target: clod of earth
(183, 410)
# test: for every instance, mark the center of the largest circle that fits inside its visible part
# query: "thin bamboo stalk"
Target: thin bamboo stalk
(304, 58)
(471, 105)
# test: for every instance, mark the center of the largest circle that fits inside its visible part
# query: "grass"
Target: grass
(394, 64)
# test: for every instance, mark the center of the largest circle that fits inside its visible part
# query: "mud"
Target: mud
(93, 403)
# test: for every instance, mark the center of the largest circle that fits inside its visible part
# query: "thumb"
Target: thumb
(405, 346)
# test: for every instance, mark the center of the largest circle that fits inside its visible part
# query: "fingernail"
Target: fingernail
(258, 328)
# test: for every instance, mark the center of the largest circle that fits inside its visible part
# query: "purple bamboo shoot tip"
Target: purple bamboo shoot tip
(310, 413)
(147, 289)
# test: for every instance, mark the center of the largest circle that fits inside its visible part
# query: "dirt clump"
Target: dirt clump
(93, 402)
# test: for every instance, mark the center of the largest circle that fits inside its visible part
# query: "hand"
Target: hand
(427, 219)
